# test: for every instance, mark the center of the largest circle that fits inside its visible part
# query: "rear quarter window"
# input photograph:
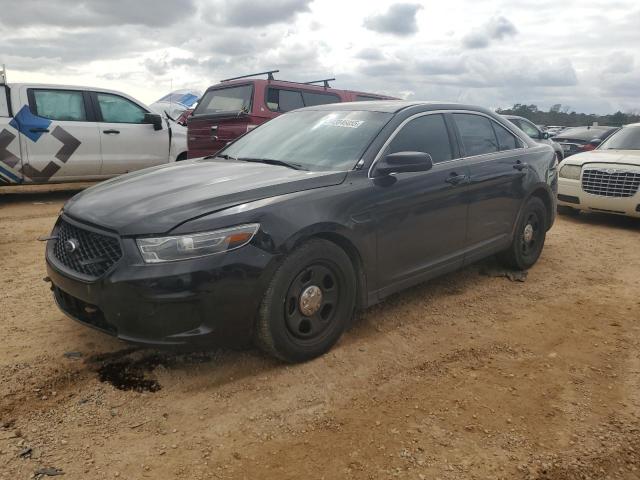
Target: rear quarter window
(312, 99)
(366, 98)
(506, 139)
(281, 100)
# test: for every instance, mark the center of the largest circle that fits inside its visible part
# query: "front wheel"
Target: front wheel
(308, 304)
(531, 231)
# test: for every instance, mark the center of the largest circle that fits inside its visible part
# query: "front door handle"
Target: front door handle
(39, 130)
(455, 179)
(111, 132)
(520, 166)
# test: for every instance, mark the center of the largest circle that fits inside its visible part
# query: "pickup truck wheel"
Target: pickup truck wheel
(528, 241)
(308, 304)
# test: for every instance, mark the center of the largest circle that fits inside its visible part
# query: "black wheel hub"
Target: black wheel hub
(311, 302)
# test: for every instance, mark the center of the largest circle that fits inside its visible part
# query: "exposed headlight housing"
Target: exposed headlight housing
(183, 247)
(571, 171)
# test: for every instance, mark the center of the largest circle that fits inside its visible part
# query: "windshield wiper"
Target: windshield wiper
(224, 156)
(270, 161)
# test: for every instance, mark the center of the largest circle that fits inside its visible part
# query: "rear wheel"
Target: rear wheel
(308, 303)
(528, 241)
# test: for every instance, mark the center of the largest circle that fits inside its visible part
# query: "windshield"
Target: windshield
(626, 139)
(315, 140)
(232, 99)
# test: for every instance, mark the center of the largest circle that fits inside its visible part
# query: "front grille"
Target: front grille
(610, 183)
(94, 253)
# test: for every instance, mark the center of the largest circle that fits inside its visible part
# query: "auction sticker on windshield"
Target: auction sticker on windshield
(334, 122)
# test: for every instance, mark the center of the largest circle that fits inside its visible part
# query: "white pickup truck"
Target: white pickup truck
(56, 133)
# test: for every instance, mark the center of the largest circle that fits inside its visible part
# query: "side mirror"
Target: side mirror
(154, 119)
(595, 142)
(403, 162)
(544, 136)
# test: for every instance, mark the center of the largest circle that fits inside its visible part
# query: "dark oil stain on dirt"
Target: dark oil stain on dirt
(129, 374)
(129, 370)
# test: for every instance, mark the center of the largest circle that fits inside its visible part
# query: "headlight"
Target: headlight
(571, 171)
(167, 249)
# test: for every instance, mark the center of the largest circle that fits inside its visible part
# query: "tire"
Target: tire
(181, 157)
(296, 329)
(570, 211)
(530, 234)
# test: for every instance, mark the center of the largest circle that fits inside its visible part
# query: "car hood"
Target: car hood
(628, 157)
(158, 199)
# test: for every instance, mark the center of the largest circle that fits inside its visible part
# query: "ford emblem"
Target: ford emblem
(71, 245)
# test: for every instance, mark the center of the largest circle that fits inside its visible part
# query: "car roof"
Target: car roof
(287, 84)
(395, 106)
(584, 133)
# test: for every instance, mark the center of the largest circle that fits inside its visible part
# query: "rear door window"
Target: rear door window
(59, 105)
(427, 134)
(476, 134)
(506, 139)
(116, 109)
(281, 100)
(312, 98)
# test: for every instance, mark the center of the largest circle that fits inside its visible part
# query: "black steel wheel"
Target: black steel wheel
(311, 301)
(308, 304)
(529, 237)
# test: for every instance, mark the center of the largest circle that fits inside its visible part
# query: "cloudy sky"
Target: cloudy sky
(581, 53)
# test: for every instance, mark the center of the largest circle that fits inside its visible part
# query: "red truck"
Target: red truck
(236, 105)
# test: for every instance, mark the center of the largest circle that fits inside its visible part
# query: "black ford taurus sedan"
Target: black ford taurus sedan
(283, 234)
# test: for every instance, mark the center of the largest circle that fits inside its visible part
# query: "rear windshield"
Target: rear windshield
(231, 99)
(316, 140)
(626, 139)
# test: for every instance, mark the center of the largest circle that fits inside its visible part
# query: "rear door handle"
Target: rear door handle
(455, 179)
(112, 132)
(39, 130)
(520, 166)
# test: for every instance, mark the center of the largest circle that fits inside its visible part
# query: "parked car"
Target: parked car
(553, 130)
(304, 219)
(56, 133)
(535, 133)
(582, 139)
(236, 105)
(176, 103)
(606, 179)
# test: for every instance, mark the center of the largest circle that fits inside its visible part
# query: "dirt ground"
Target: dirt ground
(468, 376)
